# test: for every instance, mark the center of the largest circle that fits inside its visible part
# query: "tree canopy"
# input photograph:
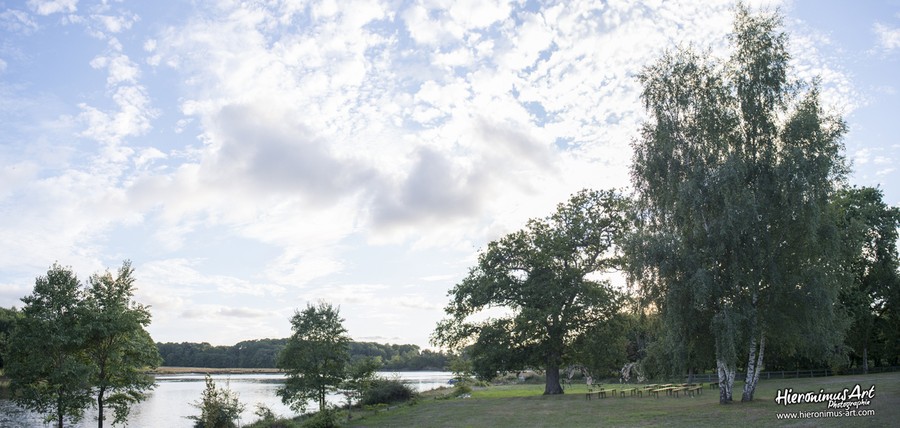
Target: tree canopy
(73, 344)
(548, 277)
(869, 234)
(46, 365)
(117, 344)
(314, 357)
(734, 171)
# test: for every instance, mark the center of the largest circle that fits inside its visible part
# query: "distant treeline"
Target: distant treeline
(263, 353)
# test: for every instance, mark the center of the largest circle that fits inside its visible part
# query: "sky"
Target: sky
(251, 158)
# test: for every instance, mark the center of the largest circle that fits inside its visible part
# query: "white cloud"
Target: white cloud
(888, 37)
(17, 21)
(49, 7)
(312, 131)
(115, 24)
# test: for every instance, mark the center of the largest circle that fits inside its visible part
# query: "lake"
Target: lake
(170, 403)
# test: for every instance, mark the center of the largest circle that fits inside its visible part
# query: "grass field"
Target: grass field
(524, 406)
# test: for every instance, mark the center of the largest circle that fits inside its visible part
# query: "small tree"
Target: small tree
(48, 369)
(315, 356)
(359, 377)
(219, 407)
(117, 344)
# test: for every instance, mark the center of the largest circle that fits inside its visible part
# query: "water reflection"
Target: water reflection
(170, 403)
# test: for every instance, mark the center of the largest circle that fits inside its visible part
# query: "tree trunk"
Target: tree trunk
(754, 366)
(865, 358)
(726, 381)
(59, 410)
(100, 407)
(552, 386)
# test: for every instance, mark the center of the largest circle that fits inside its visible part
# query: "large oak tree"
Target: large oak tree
(548, 278)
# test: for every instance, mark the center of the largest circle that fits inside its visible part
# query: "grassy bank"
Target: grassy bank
(523, 405)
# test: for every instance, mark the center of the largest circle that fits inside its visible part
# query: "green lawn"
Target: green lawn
(523, 405)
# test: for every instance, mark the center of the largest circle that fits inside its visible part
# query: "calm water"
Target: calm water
(170, 402)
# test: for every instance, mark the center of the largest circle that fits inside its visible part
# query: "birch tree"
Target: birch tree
(735, 169)
(315, 356)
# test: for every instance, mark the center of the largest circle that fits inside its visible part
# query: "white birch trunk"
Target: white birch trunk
(726, 381)
(754, 366)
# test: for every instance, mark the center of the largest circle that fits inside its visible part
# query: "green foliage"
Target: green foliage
(315, 356)
(601, 350)
(219, 407)
(263, 353)
(387, 391)
(357, 380)
(73, 344)
(46, 363)
(734, 170)
(268, 419)
(324, 418)
(8, 318)
(545, 275)
(869, 236)
(117, 343)
(461, 368)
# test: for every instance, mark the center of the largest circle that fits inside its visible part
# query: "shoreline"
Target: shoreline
(166, 370)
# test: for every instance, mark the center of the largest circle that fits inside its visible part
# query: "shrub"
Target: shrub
(325, 418)
(387, 391)
(219, 407)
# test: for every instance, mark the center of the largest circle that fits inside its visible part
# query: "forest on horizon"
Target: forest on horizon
(262, 353)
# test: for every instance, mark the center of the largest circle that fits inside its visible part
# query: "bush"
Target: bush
(219, 407)
(387, 391)
(325, 418)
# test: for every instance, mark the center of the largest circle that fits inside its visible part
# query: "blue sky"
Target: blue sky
(251, 157)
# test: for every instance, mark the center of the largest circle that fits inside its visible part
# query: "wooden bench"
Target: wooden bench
(589, 394)
(694, 390)
(603, 392)
(678, 389)
(646, 389)
(631, 391)
(658, 390)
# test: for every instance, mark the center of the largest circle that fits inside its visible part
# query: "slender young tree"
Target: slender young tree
(117, 343)
(315, 356)
(546, 275)
(48, 369)
(735, 169)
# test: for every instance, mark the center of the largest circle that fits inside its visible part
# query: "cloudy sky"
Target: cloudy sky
(251, 157)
